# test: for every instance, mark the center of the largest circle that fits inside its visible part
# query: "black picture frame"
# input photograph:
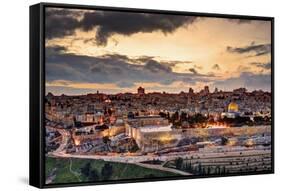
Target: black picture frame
(37, 91)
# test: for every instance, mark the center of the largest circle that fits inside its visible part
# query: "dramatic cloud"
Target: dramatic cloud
(266, 66)
(246, 79)
(112, 69)
(113, 51)
(156, 67)
(174, 62)
(149, 60)
(110, 23)
(216, 67)
(62, 23)
(240, 21)
(55, 49)
(193, 70)
(256, 49)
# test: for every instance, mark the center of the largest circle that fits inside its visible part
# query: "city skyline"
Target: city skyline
(162, 53)
(143, 96)
(136, 91)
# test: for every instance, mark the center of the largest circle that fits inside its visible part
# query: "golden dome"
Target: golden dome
(233, 107)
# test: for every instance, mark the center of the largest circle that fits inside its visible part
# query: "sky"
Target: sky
(116, 52)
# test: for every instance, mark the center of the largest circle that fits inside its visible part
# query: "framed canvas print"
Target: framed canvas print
(122, 95)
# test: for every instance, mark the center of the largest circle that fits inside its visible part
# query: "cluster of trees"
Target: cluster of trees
(134, 147)
(198, 168)
(262, 120)
(179, 163)
(245, 120)
(177, 119)
(92, 174)
(182, 120)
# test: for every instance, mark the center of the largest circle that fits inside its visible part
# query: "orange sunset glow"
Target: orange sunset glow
(158, 52)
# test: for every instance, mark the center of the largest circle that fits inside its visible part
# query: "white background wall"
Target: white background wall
(14, 88)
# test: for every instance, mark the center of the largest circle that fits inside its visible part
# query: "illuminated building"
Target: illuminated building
(233, 107)
(98, 117)
(145, 130)
(107, 101)
(232, 111)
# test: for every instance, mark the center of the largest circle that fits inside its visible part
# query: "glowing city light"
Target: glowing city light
(76, 142)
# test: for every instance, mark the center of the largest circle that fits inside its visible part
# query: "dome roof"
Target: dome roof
(233, 107)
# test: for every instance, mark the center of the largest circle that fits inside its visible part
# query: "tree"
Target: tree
(131, 115)
(258, 119)
(223, 170)
(149, 176)
(188, 165)
(134, 148)
(109, 111)
(85, 170)
(93, 175)
(209, 170)
(197, 119)
(200, 168)
(217, 169)
(183, 117)
(162, 114)
(105, 139)
(175, 117)
(106, 171)
(179, 162)
(224, 140)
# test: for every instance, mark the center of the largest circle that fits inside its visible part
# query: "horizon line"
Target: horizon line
(153, 92)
